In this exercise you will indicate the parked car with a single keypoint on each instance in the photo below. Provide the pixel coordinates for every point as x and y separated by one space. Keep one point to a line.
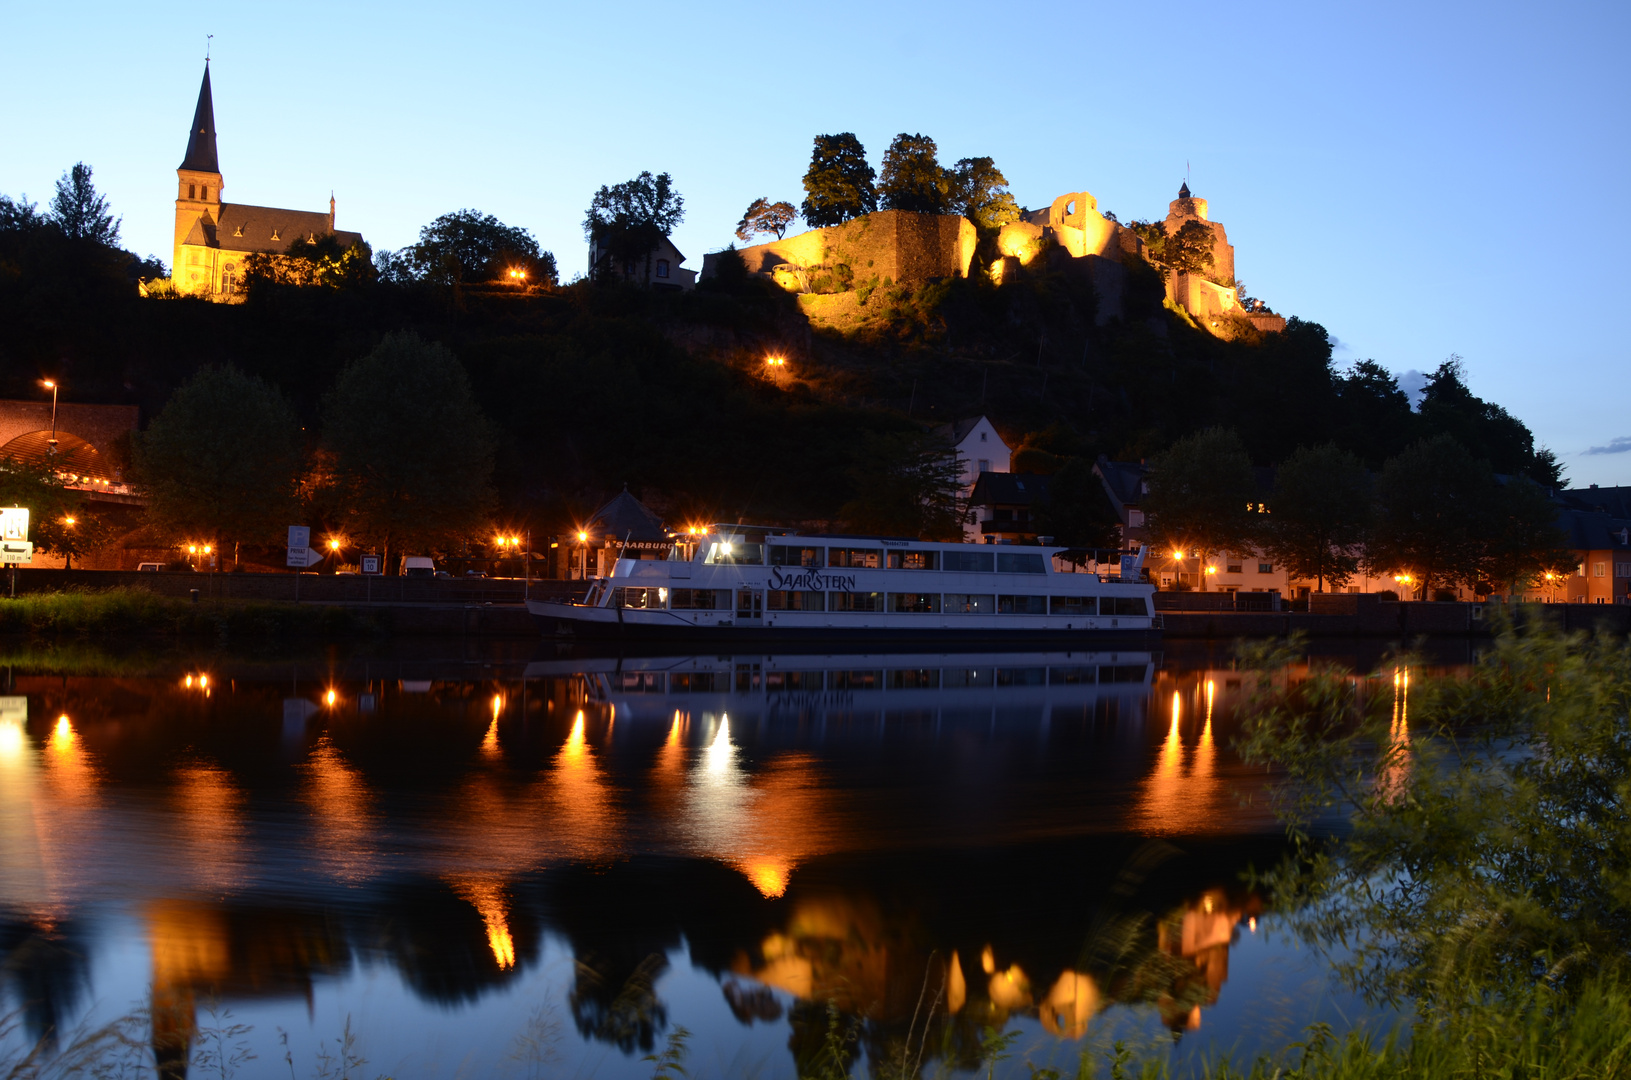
418 566
475 573
152 567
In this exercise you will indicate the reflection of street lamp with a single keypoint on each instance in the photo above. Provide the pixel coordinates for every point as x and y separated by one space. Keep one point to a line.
53 388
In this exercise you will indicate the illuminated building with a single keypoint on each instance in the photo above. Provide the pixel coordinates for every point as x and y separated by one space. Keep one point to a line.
213 238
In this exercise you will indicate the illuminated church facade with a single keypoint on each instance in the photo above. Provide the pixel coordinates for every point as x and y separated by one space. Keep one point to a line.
213 238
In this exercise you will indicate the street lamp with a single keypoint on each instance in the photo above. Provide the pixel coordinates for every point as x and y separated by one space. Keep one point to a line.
51 386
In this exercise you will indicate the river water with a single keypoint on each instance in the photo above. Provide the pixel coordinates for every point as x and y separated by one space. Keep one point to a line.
518 864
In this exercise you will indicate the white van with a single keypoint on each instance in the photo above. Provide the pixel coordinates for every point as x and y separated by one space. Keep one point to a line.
418 566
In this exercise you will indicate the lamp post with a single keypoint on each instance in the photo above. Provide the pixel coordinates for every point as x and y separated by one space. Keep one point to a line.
52 386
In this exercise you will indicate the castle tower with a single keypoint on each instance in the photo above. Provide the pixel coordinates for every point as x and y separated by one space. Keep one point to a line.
1186 208
198 193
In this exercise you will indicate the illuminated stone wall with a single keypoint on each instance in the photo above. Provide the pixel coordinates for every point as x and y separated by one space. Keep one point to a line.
909 249
1182 211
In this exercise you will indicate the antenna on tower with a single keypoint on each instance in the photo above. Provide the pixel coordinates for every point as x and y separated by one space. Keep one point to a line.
207 39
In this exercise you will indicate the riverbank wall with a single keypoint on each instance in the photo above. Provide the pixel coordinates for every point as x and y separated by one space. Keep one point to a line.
1364 615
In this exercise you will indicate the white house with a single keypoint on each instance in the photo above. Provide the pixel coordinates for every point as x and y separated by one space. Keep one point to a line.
979 449
661 271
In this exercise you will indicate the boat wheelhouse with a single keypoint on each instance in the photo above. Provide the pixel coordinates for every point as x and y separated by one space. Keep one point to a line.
736 582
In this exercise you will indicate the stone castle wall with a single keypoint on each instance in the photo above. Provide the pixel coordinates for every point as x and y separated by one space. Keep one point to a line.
909 249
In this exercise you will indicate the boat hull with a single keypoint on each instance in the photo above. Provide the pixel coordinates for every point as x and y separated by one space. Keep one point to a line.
569 622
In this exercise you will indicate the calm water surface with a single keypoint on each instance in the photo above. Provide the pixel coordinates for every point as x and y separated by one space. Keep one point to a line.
528 866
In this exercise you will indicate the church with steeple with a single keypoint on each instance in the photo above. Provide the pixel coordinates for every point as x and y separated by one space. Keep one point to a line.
214 237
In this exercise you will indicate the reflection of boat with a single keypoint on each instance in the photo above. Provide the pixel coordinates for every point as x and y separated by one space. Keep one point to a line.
653 687
737 583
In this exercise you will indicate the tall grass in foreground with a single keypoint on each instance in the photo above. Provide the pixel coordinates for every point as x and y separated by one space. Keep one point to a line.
137 612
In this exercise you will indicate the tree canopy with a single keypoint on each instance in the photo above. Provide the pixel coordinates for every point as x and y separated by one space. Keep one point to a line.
1076 512
469 246
409 453
1202 494
912 178
1432 501
838 185
1320 514
220 462
907 484
630 219
764 216
980 193
81 211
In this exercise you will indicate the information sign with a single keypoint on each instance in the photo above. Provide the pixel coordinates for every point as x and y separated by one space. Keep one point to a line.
299 547
370 564
13 552
14 523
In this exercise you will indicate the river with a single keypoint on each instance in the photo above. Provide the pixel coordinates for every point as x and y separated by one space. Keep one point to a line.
532 864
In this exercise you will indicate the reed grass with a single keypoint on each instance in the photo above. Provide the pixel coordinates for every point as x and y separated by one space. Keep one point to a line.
137 612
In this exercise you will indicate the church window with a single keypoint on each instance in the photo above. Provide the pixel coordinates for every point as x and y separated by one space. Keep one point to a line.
192 191
205 190
662 267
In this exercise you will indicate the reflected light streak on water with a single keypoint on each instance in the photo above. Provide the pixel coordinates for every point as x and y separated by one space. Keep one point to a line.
342 808
584 808
490 902
210 804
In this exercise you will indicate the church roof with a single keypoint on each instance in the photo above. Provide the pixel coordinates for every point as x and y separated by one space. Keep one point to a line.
201 139
263 228
626 518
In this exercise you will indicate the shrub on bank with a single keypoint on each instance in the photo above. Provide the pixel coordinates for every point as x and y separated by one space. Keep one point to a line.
126 611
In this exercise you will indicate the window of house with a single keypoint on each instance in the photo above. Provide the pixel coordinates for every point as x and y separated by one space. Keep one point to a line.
985 464
1597 569
982 436
1135 518
1265 568
1622 569
1580 570
1231 568
662 267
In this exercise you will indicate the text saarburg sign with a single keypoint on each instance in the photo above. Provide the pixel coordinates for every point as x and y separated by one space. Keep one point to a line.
807 580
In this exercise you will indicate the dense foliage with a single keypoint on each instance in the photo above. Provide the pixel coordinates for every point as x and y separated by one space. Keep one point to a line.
839 183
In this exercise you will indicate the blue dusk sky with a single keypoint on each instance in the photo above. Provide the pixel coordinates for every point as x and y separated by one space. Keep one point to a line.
1421 178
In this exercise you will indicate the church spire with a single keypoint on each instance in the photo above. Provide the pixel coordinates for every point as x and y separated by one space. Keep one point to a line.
201 140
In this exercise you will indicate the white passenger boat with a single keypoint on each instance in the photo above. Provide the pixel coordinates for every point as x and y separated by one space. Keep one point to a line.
739 583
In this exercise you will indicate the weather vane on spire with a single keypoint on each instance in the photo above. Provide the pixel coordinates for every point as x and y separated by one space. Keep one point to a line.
207 39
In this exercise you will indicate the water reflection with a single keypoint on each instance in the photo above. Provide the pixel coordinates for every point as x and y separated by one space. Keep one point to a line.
931 845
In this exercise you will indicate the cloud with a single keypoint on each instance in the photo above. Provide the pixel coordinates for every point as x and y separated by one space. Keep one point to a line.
1414 384
1618 445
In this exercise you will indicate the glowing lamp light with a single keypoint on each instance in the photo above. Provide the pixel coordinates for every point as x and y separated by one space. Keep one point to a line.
187 682
206 549
1211 569
582 536
192 549
48 384
776 361
334 545
330 698
68 521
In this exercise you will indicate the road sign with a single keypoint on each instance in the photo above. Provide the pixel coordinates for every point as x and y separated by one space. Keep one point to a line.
370 564
14 523
299 536
300 553
13 552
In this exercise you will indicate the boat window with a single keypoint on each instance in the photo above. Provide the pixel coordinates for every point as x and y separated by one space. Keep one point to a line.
1021 676
854 680
969 604
787 555
1075 605
1122 673
912 560
640 682
856 558
640 598
1072 676
699 599
975 562
855 601
699 682
1124 605
789 600
794 680
733 551
1022 605
914 679
1019 563
966 677
920 603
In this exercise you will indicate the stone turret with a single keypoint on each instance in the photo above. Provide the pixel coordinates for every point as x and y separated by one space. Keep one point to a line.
1186 208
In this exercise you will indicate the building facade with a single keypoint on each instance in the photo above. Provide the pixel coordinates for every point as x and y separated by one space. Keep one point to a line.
213 238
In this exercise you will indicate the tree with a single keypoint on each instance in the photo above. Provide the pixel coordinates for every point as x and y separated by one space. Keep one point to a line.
980 193
1523 540
469 246
76 532
764 216
1319 515
1432 505
1188 251
1376 420
80 211
912 177
630 219
1484 428
50 503
1201 496
907 484
1076 512
19 215
321 261
411 454
838 183
220 462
